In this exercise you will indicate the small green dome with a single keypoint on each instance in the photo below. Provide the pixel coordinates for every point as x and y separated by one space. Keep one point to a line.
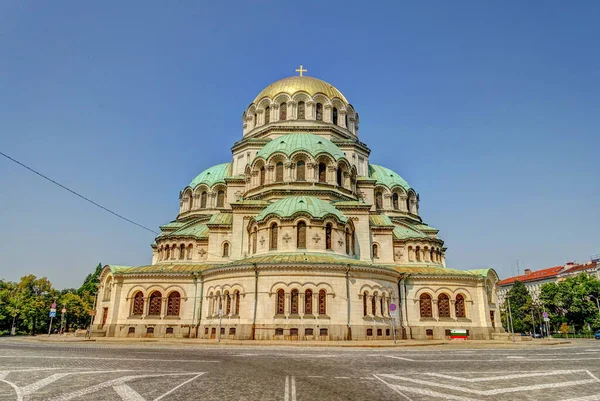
290 143
288 207
213 175
387 177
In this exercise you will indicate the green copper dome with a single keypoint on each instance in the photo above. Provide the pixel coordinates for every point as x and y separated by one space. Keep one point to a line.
312 144
288 207
387 177
211 176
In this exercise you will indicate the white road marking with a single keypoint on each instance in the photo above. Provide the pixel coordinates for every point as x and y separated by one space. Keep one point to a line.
176 387
341 377
515 357
33 387
286 393
115 382
315 376
127 393
288 387
106 359
506 377
401 358
495 391
3 374
394 388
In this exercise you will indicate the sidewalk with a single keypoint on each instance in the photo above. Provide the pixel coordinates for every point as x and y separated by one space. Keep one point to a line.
272 343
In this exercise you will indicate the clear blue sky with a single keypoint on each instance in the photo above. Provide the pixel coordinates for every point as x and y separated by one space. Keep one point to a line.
491 111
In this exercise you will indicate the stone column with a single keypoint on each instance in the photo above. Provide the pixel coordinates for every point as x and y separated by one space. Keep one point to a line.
269 179
342 118
331 172
291 110
327 110
274 112
289 172
309 110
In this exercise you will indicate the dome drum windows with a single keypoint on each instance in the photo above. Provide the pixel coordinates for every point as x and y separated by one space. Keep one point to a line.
301 171
319 112
334 116
301 112
267 115
283 111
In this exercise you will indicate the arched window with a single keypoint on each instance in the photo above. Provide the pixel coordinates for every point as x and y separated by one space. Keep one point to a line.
301 235
381 305
322 172
378 200
267 115
226 250
322 302
203 200
294 302
181 251
319 112
190 202
301 171
408 205
418 254
425 305
395 201
107 289
254 235
283 111
138 304
262 176
334 116
255 120
227 303
339 177
173 304
154 304
443 305
365 296
308 302
189 251
459 305
328 233
346 120
221 199
237 302
375 251
301 111
431 255
274 232
353 237
280 302
173 251
279 172
167 252
374 304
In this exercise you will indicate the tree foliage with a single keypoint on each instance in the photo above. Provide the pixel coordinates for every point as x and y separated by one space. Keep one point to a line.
573 302
26 304
521 309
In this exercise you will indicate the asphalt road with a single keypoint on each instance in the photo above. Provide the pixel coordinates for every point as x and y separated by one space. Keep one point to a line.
135 372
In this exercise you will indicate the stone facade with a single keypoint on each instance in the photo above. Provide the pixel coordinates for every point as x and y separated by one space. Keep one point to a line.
299 237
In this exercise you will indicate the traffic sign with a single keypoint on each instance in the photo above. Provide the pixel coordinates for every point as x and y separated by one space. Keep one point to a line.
392 307
63 310
53 310
53 305
546 319
52 313
545 315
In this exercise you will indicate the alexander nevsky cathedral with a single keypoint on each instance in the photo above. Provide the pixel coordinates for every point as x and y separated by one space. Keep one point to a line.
298 237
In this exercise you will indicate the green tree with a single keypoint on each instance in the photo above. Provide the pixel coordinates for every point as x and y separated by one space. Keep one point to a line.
572 302
521 306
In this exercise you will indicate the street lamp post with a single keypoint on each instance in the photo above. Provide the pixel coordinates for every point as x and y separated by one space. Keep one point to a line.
512 329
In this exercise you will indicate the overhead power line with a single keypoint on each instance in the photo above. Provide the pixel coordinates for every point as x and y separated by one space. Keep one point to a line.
77 194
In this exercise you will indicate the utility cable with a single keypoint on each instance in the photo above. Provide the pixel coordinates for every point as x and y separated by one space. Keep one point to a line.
78 194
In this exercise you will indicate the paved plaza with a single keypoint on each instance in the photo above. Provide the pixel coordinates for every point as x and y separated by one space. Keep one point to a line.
139 371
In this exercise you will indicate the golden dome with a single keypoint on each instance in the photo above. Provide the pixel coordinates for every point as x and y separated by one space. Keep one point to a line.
291 85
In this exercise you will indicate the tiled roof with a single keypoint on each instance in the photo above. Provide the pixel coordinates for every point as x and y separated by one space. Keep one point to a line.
297 258
213 175
580 268
289 206
405 232
223 219
387 177
380 220
195 229
310 143
534 276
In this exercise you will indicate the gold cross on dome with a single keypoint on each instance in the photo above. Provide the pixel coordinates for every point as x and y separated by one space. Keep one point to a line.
301 70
